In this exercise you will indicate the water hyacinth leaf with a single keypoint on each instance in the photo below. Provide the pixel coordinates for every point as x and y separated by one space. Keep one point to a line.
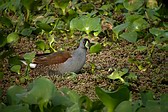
44 26
40 92
141 48
157 32
112 99
133 5
117 74
86 23
61 4
11 94
145 96
96 48
41 45
152 106
27 4
26 31
29 56
14 61
16 68
12 37
5 22
3 41
17 108
85 101
125 106
130 36
61 99
164 103
140 24
119 28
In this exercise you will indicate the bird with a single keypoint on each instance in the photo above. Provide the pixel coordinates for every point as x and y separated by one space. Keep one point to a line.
61 62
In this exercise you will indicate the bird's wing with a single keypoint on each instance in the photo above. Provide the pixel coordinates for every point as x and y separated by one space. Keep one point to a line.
53 58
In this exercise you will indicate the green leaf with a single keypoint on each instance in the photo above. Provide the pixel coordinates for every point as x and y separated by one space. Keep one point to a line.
40 92
3 41
145 96
16 68
133 5
125 106
29 56
17 108
86 23
27 4
164 102
61 4
41 45
118 74
26 31
96 48
61 99
132 76
5 22
12 37
44 26
112 99
157 32
130 36
141 48
119 28
86 102
152 106
11 94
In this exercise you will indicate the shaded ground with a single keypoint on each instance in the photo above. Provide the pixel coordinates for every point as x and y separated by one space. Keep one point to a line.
98 66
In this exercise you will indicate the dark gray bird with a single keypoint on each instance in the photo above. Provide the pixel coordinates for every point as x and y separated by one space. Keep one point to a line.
62 62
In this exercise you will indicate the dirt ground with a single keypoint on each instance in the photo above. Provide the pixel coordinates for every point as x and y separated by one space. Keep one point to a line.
114 55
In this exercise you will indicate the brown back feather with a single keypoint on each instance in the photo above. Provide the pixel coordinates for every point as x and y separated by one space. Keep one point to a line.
53 58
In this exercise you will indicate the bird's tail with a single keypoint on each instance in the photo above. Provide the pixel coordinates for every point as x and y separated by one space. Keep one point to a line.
32 65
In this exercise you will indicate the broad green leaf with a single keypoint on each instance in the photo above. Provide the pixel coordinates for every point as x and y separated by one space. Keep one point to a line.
130 36
157 32
61 99
86 102
28 4
41 45
40 92
61 4
1 75
44 26
17 108
96 48
119 28
11 94
141 48
14 5
164 102
26 31
117 74
16 68
152 106
132 76
3 41
29 56
112 99
140 24
87 7
86 23
133 5
125 106
145 96
5 22
12 37
14 61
